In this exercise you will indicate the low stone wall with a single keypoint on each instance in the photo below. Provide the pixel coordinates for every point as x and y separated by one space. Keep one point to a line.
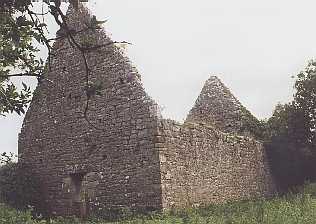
200 165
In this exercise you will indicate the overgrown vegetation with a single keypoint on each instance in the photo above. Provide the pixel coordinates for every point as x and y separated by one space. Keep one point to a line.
300 208
290 134
18 187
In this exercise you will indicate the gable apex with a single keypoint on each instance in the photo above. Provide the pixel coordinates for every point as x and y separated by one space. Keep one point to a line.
218 107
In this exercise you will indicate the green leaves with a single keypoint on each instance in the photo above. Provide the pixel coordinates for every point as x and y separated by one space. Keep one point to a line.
12 100
6 158
18 53
305 100
18 186
290 133
22 21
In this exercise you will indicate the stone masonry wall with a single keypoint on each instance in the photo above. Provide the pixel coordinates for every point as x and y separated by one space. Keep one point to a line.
126 155
113 166
200 165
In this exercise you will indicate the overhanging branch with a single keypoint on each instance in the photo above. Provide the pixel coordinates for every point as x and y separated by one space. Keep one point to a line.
22 75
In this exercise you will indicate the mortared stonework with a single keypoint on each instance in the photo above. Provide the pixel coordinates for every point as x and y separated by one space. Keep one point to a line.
129 157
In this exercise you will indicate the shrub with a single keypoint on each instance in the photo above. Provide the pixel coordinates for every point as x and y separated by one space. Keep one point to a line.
18 187
11 216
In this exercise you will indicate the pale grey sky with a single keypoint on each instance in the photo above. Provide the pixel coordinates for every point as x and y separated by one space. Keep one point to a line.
253 46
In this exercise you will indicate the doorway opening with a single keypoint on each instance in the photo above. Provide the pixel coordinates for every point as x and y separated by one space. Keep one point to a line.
79 202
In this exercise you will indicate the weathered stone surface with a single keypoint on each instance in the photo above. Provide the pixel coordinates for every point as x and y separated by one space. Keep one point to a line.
217 106
60 144
134 159
201 165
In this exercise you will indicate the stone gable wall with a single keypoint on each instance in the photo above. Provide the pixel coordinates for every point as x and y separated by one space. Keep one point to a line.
201 165
118 159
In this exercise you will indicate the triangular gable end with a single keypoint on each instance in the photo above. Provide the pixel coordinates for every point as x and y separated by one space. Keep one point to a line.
218 107
114 143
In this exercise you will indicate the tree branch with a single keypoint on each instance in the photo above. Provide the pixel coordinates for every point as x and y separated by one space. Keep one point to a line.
70 34
95 47
22 74
40 30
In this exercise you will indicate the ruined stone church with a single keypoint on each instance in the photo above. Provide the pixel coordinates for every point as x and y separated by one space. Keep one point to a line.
123 154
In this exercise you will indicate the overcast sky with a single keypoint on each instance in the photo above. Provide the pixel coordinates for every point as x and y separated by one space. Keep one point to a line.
253 46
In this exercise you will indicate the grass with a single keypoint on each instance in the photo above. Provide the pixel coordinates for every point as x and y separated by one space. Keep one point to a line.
300 208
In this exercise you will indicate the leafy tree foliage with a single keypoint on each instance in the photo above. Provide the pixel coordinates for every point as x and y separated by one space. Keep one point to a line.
20 29
291 134
17 54
305 102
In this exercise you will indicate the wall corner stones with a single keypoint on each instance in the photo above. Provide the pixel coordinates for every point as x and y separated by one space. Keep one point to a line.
139 161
